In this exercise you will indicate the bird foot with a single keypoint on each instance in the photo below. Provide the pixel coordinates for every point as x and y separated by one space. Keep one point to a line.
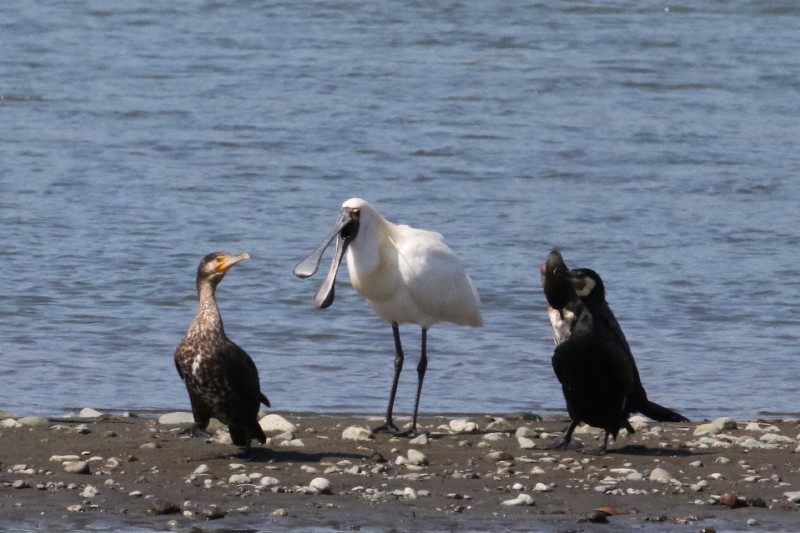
195 432
387 427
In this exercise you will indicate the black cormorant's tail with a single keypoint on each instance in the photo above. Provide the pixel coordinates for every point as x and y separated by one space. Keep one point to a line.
661 414
263 399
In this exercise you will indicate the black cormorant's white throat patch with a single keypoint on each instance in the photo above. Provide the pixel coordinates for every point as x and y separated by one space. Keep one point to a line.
583 286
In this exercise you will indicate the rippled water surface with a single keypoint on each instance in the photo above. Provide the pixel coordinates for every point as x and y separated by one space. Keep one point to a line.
656 144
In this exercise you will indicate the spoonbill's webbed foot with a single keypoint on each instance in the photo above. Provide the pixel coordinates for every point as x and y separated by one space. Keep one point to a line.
387 427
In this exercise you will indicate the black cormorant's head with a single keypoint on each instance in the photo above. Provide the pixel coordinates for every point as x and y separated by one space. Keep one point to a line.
556 281
213 267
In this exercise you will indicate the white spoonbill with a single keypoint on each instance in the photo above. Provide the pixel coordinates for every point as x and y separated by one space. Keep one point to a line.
408 276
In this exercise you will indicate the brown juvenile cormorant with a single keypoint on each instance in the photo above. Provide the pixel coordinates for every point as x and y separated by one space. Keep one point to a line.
221 378
592 358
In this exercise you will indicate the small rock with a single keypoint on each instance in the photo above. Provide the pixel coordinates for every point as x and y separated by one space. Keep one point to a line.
522 499
320 485
793 496
597 517
76 467
276 423
659 475
541 487
279 512
87 412
10 423
267 481
64 458
422 439
498 456
409 494
416 457
238 479
33 421
491 437
725 423
732 500
525 443
173 419
19 484
76 508
164 507
89 492
202 469
212 512
462 425
357 433
707 429
150 446
526 432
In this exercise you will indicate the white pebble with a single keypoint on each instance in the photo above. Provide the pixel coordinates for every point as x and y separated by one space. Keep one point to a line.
320 485
277 423
522 499
659 475
357 433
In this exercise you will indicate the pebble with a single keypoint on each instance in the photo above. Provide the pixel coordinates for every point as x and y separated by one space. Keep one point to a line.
463 425
10 423
89 491
526 443
409 494
268 481
202 469
294 443
498 456
19 484
88 412
33 421
76 467
150 446
279 512
357 433
238 479
793 496
659 475
416 457
526 432
725 423
76 508
422 439
320 485
212 512
522 499
276 423
707 429
164 507
541 487
491 437
171 419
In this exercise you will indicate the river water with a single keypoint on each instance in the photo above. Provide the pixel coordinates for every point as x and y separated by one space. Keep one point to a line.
655 143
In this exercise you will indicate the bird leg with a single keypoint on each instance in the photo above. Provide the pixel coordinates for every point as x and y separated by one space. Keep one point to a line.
563 443
421 368
388 424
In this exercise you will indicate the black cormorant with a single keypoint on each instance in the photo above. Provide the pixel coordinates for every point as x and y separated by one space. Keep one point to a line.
592 359
221 378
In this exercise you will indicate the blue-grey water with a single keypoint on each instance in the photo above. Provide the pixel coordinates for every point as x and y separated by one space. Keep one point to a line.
655 143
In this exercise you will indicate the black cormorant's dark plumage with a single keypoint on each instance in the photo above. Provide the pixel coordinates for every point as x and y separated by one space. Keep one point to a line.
592 358
221 378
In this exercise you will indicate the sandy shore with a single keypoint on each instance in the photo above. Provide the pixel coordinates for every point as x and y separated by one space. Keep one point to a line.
135 472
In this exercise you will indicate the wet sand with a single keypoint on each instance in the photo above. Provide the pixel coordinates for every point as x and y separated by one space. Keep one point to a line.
141 474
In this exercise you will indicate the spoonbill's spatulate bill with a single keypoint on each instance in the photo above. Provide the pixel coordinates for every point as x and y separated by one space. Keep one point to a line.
408 276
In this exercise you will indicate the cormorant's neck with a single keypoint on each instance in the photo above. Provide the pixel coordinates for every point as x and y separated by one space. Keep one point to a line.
208 313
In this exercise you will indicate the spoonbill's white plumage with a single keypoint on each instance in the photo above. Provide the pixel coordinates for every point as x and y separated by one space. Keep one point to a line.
408 276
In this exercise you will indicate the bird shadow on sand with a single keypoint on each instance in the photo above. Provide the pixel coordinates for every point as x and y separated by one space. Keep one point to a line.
643 451
268 455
